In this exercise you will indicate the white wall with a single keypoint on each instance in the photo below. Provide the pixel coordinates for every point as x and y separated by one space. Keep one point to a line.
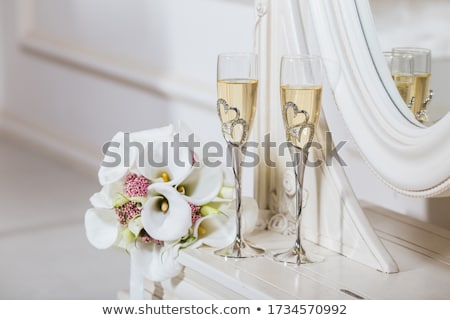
78 71
2 65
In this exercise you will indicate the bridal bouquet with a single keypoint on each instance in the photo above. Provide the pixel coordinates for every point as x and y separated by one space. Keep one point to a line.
158 197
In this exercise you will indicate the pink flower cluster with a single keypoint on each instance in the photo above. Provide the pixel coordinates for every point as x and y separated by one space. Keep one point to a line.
136 186
128 212
144 237
195 212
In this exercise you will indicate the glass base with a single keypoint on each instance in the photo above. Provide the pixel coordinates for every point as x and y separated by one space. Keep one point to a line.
240 249
297 255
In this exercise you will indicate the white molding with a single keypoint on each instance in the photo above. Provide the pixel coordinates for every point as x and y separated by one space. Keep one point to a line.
79 156
173 85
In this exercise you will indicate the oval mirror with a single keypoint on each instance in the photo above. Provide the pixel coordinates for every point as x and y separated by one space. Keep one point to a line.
408 156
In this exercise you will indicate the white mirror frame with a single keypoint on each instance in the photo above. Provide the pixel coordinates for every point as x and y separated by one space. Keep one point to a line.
408 157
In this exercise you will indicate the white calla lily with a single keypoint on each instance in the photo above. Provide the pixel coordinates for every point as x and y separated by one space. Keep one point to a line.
170 224
227 193
162 263
202 184
155 263
114 165
163 157
148 153
214 230
151 262
219 227
108 195
101 227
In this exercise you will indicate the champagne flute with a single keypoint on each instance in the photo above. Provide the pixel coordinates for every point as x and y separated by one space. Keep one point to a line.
237 85
401 66
422 80
301 95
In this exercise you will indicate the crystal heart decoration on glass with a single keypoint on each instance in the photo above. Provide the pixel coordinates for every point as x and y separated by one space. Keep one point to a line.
296 122
234 128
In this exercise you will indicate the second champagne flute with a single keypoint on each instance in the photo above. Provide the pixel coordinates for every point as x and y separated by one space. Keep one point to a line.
237 85
301 96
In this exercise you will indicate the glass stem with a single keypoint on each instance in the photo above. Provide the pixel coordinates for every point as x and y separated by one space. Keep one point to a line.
236 154
300 157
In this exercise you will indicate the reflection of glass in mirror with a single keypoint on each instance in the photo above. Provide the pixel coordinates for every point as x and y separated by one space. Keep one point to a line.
422 79
401 67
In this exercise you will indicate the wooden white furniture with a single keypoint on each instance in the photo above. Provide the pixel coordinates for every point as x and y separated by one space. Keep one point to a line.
422 252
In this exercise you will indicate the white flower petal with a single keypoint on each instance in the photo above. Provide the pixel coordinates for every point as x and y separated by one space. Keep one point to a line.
150 152
160 156
155 160
203 184
227 193
101 227
158 263
105 198
172 224
118 159
220 230
109 175
164 265
135 226
180 162
125 239
250 213
99 200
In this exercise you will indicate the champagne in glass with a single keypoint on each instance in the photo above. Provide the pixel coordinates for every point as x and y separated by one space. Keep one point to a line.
240 94
237 85
401 66
301 96
422 79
